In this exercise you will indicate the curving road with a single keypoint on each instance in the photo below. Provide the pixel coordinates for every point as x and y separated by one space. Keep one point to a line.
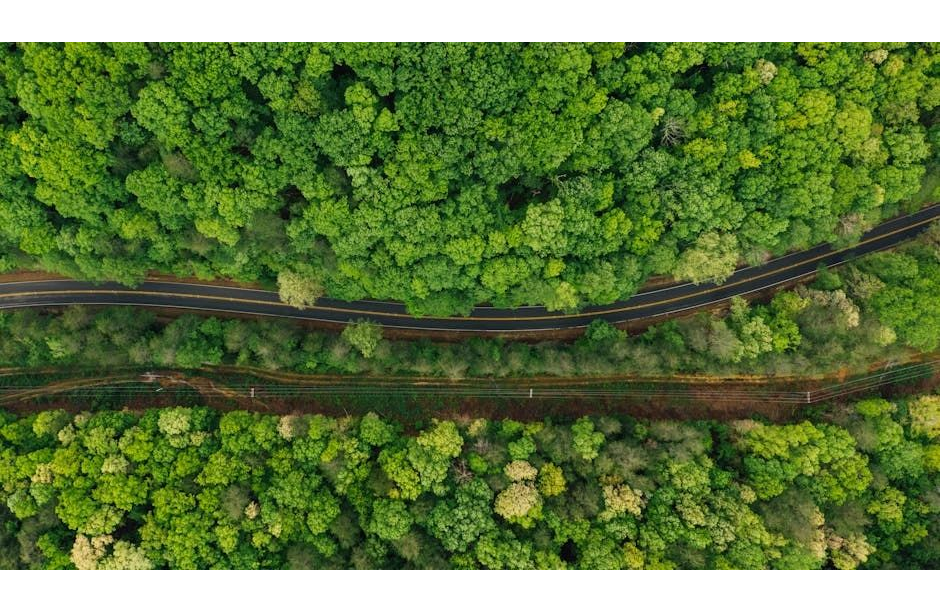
645 305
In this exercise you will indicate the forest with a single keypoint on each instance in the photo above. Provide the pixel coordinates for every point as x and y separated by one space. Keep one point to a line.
854 487
881 307
445 175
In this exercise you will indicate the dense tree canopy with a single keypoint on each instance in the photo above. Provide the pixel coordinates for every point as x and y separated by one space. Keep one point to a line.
192 488
450 174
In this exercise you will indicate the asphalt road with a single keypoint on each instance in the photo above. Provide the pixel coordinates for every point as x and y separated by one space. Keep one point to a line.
642 306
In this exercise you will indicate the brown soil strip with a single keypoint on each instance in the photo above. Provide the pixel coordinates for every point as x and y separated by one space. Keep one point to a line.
25 275
413 400
163 380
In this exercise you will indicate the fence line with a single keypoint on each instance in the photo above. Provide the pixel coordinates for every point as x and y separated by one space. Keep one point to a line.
150 383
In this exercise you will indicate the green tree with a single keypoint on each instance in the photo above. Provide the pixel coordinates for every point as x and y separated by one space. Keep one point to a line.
390 519
587 442
460 523
364 336
551 480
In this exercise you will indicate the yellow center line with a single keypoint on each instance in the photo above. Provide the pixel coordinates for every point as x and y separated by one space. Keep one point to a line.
404 315
735 282
766 274
194 296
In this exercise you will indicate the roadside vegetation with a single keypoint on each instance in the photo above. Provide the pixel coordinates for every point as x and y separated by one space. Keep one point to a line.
882 307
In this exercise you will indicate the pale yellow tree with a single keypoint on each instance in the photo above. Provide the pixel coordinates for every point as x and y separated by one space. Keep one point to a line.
519 503
925 416
298 290
520 470
620 499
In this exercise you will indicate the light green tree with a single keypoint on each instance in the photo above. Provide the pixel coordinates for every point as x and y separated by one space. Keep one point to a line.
364 336
712 258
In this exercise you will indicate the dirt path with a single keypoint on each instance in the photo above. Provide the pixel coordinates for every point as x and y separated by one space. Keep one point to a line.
142 384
